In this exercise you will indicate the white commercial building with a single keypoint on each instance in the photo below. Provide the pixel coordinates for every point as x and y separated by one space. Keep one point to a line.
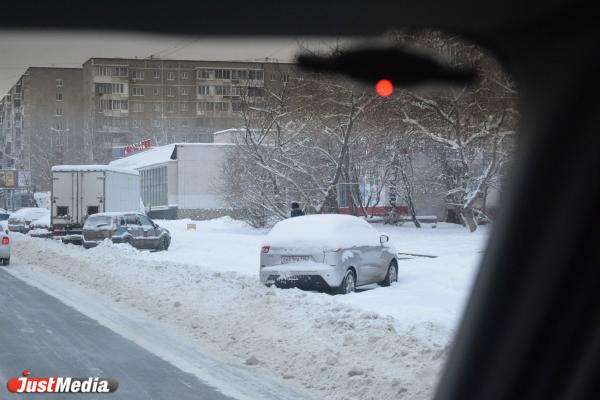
180 180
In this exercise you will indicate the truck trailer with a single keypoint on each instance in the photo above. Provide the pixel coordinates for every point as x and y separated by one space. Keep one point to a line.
79 191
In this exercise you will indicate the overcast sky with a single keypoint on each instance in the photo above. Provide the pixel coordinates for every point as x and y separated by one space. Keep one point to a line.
19 50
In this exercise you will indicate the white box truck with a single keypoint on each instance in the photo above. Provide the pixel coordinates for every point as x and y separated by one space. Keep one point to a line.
82 190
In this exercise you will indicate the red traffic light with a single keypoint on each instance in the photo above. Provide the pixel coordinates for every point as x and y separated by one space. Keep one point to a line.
384 87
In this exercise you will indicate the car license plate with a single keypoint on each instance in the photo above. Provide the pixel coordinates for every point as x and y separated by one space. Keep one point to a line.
293 259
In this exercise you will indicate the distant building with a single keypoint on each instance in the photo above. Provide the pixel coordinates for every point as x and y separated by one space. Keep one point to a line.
40 123
168 101
55 116
180 180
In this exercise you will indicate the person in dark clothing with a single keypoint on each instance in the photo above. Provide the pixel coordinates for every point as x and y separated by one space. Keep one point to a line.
296 211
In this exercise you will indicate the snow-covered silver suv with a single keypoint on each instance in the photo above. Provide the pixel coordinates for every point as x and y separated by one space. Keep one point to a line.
327 252
133 228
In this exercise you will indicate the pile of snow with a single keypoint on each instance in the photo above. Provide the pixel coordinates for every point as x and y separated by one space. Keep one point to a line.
386 343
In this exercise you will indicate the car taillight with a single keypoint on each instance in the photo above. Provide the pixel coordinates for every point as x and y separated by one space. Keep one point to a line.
265 249
5 240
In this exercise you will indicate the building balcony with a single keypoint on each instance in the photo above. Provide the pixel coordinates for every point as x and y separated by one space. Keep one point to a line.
112 129
115 113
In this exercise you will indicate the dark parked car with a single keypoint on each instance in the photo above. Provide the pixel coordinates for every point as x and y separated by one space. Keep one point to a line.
125 227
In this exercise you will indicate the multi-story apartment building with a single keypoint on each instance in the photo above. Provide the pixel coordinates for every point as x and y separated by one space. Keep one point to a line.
87 115
168 101
40 123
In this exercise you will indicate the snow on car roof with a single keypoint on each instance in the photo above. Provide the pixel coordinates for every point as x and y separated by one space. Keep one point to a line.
92 167
323 230
29 211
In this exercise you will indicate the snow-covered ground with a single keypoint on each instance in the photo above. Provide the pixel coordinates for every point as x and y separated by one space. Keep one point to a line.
384 343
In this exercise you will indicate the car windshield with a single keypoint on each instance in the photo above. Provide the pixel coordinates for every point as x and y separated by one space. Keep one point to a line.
98 221
248 161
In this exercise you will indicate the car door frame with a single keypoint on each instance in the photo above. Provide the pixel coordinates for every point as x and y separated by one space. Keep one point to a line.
135 230
149 232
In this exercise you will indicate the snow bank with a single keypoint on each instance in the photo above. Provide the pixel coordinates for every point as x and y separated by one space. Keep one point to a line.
387 343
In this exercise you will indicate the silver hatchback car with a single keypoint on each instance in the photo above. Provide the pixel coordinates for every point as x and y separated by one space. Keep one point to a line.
329 252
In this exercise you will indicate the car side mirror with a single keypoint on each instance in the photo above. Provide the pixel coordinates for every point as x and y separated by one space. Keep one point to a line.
383 238
155 225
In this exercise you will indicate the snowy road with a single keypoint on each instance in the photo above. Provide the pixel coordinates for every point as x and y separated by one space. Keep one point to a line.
51 339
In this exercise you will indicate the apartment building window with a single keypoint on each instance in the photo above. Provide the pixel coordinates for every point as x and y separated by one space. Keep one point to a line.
138 107
58 126
157 107
103 88
170 91
137 123
171 123
221 106
203 90
185 91
205 106
137 91
137 75
236 106
105 105
171 107
156 74
205 74
110 71
184 107
255 75
156 91
118 88
59 83
108 88
184 123
59 97
59 112
222 74
156 123
223 90
237 90
170 76
120 104
185 75
239 74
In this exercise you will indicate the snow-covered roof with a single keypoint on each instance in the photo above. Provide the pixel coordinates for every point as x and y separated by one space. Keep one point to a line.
157 155
93 167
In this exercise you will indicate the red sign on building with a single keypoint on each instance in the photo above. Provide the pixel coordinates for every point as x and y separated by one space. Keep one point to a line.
141 145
